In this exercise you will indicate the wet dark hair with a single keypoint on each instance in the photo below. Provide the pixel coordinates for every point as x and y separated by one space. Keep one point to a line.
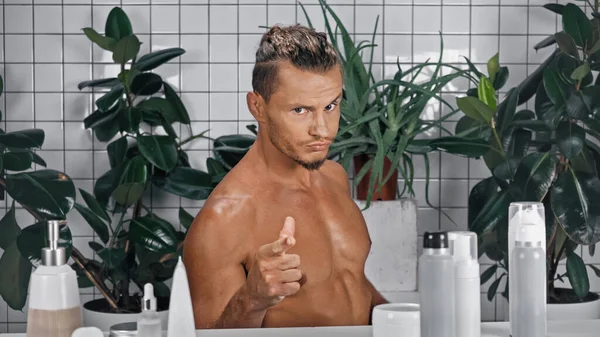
301 46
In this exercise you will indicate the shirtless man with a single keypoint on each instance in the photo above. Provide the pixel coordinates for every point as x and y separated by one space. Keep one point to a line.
280 242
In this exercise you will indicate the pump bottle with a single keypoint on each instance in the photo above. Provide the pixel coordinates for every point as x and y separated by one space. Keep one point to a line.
463 247
436 287
54 305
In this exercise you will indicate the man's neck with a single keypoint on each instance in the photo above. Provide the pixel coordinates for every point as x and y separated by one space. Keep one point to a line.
279 166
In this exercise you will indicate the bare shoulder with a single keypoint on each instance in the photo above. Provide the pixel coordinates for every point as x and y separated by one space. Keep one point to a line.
223 221
336 172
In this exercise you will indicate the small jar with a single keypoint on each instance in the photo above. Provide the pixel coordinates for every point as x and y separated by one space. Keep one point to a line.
128 329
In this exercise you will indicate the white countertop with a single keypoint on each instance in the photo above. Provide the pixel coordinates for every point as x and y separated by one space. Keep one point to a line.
496 329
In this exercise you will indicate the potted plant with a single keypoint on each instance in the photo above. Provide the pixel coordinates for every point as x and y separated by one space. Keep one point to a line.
137 116
46 194
381 122
548 155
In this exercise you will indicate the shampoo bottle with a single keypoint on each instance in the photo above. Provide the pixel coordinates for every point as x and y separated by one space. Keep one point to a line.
54 306
463 246
149 324
526 240
436 287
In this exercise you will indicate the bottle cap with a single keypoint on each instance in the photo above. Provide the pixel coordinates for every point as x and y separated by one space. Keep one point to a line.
53 255
435 240
463 245
149 301
527 223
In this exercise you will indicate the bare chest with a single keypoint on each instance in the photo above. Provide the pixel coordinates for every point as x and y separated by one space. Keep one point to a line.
331 236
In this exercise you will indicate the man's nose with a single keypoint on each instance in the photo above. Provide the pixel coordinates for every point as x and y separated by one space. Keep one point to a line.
319 126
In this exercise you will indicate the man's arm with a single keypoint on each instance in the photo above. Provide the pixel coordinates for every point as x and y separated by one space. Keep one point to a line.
213 255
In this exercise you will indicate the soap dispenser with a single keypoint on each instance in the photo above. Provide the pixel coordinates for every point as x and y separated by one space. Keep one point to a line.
54 305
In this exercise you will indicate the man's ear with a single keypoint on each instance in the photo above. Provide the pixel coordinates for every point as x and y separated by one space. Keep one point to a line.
256 105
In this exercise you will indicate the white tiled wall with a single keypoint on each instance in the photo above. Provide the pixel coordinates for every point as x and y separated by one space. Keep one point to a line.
44 56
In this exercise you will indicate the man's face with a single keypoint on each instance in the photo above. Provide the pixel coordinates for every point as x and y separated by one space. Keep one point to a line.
303 114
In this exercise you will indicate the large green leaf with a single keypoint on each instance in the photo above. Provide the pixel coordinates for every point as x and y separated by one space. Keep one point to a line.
545 110
51 193
501 78
94 221
23 139
582 103
100 120
534 176
106 103
155 105
154 234
146 84
117 24
507 109
468 147
104 42
106 184
556 88
126 49
467 127
112 257
159 150
185 218
486 93
474 108
507 169
157 58
574 196
567 44
494 212
94 205
129 119
481 193
186 182
35 237
230 149
181 114
570 138
576 24
530 85
581 72
14 278
17 161
577 273
133 182
9 228
101 83
117 150
493 66
494 156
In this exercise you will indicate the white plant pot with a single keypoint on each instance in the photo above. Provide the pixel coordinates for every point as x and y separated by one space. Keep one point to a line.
104 321
574 311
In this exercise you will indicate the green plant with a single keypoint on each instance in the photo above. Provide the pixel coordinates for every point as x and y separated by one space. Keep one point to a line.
548 155
137 246
383 119
46 194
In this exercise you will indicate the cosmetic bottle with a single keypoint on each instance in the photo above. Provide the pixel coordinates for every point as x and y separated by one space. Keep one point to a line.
463 247
181 313
528 281
149 324
436 287
54 305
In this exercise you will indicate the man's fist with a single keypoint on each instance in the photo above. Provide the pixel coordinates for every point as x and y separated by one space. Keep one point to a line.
275 274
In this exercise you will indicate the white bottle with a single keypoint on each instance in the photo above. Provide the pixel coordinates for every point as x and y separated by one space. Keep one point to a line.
436 287
181 312
149 324
463 246
523 214
54 305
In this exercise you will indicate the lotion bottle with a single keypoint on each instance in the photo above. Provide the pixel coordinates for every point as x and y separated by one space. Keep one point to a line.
463 246
54 305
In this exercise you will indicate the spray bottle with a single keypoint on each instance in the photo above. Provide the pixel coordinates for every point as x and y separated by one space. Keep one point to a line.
463 247
527 270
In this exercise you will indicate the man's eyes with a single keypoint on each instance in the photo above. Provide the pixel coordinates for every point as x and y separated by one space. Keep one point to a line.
328 108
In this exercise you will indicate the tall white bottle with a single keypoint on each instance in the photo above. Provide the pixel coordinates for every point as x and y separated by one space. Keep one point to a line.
436 287
181 312
531 216
54 305
463 247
